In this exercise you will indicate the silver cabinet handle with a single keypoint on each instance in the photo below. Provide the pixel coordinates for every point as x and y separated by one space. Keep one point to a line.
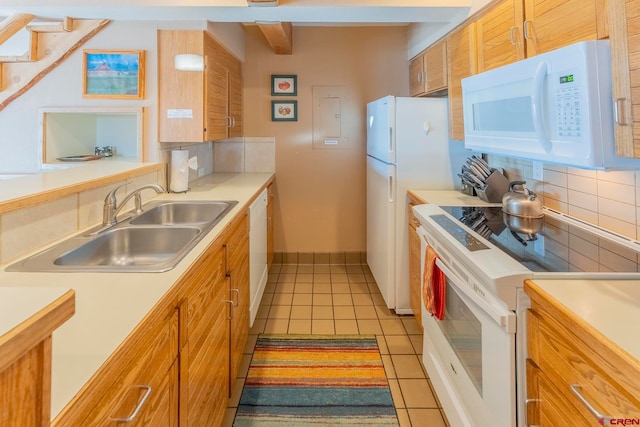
601 418
230 316
618 110
138 408
524 26
512 37
237 292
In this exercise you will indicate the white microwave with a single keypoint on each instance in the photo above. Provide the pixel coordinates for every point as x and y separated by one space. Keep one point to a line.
555 107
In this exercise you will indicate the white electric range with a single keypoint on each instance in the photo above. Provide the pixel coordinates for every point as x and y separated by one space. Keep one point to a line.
476 355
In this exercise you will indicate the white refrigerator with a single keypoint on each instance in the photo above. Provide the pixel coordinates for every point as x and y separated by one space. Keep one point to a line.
408 147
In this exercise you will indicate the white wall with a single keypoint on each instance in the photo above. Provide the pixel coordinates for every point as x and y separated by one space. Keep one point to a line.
19 122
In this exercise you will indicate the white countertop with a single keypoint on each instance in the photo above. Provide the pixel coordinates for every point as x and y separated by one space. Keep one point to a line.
18 304
611 307
110 305
54 179
449 198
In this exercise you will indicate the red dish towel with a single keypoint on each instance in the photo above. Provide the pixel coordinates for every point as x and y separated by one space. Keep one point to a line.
433 285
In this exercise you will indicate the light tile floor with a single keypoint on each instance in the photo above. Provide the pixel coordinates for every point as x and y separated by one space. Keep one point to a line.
344 299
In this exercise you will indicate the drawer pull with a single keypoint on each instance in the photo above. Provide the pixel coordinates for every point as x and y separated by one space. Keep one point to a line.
138 408
602 419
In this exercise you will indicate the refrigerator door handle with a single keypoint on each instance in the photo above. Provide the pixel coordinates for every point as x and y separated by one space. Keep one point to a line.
391 193
391 150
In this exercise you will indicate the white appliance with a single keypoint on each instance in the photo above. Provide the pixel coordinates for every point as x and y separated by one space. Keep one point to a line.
407 147
476 356
555 107
258 271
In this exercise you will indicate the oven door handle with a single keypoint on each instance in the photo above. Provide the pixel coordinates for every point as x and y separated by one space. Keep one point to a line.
503 317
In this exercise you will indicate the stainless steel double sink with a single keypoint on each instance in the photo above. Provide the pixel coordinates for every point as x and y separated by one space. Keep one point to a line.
153 241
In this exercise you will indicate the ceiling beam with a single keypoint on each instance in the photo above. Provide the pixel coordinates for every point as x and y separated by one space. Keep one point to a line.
13 24
279 35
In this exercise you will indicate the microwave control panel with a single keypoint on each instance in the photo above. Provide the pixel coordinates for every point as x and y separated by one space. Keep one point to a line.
568 114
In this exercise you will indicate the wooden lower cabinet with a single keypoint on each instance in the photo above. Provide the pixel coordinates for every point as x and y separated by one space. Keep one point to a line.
566 358
25 364
177 366
204 384
237 274
415 279
138 385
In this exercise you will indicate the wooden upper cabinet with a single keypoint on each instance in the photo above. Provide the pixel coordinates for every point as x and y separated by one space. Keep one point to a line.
417 68
428 71
197 106
514 29
181 94
217 105
461 59
436 66
562 22
499 33
625 67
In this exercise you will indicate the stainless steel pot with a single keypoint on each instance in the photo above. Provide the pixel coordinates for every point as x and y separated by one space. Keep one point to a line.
522 203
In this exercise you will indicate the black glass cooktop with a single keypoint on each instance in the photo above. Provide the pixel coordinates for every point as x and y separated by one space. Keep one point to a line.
546 244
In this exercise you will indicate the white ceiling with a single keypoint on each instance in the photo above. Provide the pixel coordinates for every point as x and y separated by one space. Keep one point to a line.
320 12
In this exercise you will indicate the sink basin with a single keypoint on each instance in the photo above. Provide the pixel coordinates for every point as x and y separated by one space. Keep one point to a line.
181 213
131 247
154 241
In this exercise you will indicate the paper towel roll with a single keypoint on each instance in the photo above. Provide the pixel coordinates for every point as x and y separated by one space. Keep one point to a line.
180 165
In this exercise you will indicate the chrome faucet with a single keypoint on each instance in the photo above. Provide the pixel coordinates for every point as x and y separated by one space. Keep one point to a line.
111 209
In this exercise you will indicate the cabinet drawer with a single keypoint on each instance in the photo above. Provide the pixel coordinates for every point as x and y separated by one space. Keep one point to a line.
566 360
138 382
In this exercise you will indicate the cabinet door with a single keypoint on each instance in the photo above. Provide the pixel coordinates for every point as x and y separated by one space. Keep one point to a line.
552 24
205 384
500 40
137 385
461 60
625 69
181 94
238 277
235 104
417 84
217 105
436 67
270 243
415 280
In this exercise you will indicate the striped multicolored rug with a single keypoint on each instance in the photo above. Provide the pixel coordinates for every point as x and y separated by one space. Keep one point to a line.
316 380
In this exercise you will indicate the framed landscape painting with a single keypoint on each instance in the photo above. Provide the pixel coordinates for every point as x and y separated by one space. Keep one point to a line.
115 74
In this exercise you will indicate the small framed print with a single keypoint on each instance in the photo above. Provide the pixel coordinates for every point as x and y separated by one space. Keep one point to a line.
284 111
284 85
115 74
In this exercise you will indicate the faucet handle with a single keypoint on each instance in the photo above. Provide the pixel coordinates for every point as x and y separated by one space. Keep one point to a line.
111 196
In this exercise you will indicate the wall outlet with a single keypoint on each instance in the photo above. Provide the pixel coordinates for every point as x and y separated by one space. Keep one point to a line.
200 172
537 171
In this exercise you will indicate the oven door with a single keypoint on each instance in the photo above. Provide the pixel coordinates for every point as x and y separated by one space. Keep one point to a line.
470 354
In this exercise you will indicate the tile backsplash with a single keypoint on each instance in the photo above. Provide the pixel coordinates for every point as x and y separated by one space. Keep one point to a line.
234 155
248 154
27 229
608 199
